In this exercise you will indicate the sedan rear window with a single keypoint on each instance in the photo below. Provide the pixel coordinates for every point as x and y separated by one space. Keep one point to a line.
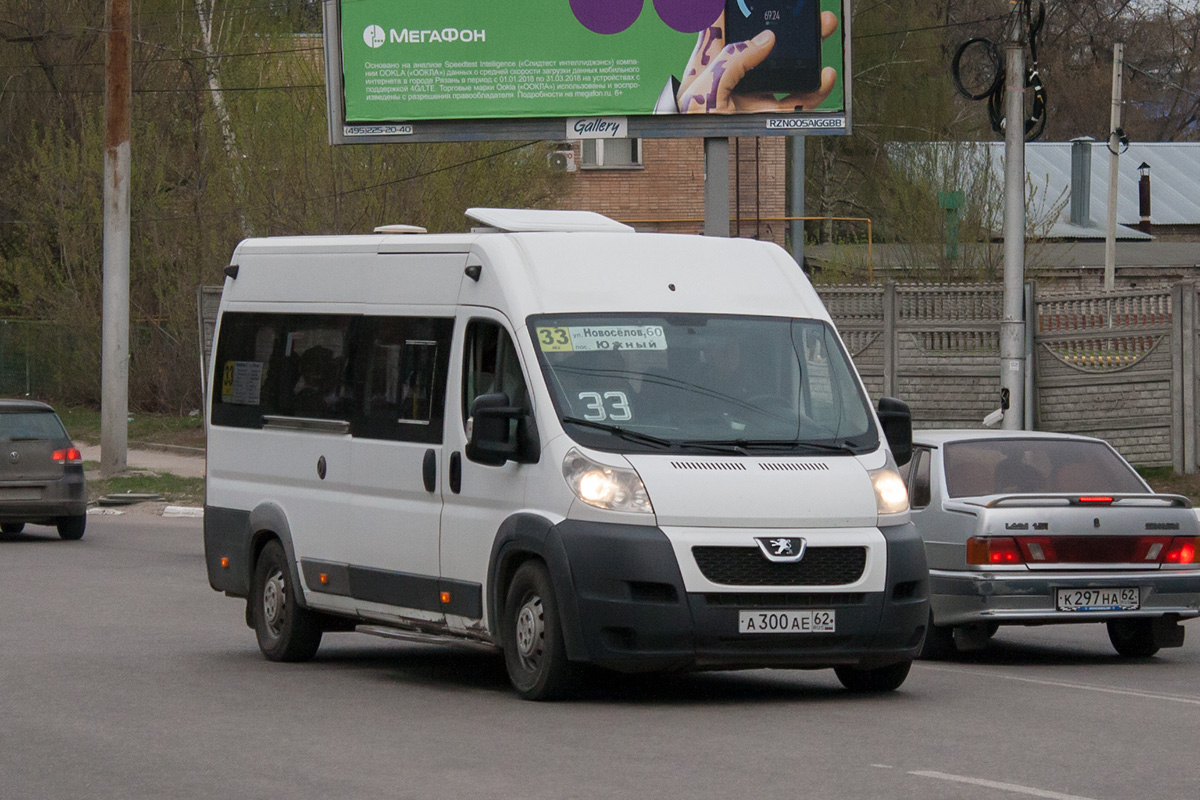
1036 466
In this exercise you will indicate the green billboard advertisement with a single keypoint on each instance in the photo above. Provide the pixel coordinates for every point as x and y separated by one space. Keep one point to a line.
448 61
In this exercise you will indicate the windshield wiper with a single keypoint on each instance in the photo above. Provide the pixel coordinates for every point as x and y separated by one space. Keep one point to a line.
742 445
617 430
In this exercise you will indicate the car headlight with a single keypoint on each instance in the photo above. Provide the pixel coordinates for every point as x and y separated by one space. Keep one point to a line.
611 488
891 495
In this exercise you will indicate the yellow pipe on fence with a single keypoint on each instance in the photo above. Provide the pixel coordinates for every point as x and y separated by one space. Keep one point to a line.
735 220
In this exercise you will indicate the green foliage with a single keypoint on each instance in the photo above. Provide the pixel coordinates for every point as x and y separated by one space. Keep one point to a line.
197 188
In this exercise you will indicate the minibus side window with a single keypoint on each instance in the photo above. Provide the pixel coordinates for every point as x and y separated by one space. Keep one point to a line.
491 365
281 365
402 367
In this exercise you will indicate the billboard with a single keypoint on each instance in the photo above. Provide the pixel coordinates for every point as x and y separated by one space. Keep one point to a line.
456 70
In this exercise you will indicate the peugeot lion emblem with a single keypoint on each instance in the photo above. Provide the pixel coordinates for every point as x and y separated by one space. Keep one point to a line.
782 549
14 457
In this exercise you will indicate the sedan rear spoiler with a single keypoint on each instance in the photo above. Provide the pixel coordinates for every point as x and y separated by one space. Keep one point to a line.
1145 499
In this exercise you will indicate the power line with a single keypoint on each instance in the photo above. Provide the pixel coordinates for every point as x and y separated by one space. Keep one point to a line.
198 90
930 27
222 56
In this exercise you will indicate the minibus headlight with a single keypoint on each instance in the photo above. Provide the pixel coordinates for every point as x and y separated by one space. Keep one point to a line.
891 495
611 488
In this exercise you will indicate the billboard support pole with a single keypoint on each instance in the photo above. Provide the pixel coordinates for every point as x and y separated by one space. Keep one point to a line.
716 186
796 190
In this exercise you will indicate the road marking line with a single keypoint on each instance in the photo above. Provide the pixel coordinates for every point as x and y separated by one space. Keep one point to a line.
1193 701
1004 787
882 766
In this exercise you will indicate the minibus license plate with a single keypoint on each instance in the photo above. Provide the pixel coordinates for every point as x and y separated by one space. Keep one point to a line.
785 622
1126 598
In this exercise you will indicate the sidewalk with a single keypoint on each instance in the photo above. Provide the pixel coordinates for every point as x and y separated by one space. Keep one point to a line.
185 465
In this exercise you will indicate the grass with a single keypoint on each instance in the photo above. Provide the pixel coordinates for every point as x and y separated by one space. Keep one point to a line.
174 489
1166 480
84 426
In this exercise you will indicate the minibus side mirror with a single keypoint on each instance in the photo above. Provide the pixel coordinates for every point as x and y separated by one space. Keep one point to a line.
501 432
896 419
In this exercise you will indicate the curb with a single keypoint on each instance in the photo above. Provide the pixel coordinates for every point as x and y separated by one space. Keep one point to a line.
193 512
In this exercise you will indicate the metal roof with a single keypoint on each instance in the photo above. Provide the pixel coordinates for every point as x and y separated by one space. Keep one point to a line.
1174 180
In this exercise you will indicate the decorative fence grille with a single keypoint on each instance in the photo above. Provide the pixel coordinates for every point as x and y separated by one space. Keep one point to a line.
1102 365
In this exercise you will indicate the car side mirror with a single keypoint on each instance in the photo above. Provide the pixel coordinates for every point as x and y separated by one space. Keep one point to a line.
501 432
896 419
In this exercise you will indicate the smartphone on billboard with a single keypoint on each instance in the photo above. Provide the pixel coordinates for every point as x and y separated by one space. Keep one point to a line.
794 64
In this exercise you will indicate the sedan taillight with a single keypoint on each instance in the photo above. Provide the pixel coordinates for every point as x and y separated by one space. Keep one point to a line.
70 455
994 550
1182 550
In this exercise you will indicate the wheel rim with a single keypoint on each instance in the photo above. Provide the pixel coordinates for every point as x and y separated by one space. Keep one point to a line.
274 602
531 633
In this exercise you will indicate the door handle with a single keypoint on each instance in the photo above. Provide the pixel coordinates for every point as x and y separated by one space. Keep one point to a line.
429 470
456 472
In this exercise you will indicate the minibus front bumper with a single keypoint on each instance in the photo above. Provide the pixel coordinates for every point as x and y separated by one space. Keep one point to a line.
625 607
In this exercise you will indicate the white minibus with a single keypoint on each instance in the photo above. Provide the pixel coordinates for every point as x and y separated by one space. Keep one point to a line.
561 439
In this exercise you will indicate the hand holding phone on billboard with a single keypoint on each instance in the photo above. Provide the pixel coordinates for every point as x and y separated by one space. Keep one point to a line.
732 72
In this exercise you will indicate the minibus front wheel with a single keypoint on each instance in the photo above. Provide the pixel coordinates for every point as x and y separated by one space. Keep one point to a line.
534 651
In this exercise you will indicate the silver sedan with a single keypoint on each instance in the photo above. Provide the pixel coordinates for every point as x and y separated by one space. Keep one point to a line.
1024 528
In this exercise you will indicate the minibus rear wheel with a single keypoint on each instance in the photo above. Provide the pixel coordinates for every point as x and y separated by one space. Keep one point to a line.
286 632
534 651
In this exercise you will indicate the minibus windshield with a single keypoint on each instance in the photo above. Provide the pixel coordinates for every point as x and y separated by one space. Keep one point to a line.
701 382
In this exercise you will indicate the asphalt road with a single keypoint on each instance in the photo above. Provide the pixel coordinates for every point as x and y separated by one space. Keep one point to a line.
125 676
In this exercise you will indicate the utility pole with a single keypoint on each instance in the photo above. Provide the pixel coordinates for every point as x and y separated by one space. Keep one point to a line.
114 359
1114 159
1012 330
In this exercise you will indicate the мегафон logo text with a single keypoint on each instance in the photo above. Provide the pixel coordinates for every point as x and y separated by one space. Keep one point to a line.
374 36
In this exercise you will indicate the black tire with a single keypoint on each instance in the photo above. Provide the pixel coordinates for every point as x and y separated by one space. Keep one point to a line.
72 528
1133 638
939 641
880 679
286 632
12 527
534 651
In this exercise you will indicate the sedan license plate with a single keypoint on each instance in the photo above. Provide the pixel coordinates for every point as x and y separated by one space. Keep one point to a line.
785 622
1124 598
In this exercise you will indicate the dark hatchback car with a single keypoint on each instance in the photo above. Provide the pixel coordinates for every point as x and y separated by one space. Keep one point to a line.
41 471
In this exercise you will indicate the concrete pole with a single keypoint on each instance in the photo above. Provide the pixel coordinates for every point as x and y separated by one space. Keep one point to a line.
1012 331
114 360
1114 160
716 187
796 196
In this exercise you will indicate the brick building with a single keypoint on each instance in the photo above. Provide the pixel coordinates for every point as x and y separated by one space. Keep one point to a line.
658 184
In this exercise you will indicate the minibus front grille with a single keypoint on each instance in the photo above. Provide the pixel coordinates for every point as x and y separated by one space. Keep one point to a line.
747 566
